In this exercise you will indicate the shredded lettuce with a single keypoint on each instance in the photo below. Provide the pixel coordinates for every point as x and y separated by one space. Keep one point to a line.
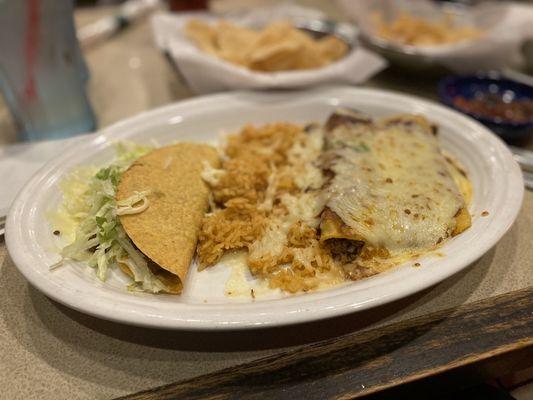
100 239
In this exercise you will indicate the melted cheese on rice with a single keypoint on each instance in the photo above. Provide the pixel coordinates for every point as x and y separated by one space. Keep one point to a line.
267 200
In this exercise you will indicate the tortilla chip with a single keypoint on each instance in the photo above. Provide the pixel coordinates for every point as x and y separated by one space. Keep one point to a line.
277 47
234 42
331 48
274 33
167 231
292 50
309 57
203 35
277 57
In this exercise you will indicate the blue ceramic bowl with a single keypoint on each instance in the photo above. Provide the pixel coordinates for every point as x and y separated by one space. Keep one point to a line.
473 86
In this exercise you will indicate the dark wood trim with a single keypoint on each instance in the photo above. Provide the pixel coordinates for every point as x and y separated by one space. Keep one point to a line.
447 384
362 363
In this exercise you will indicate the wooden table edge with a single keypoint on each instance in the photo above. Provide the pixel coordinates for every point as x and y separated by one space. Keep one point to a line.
361 363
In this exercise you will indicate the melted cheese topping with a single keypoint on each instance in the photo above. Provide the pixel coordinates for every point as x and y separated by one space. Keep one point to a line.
392 186
305 206
241 282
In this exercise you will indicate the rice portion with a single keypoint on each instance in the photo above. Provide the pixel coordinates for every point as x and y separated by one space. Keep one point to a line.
266 199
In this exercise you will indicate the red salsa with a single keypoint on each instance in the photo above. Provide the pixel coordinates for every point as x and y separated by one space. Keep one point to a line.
493 106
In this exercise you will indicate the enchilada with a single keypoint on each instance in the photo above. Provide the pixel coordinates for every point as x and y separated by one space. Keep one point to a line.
391 191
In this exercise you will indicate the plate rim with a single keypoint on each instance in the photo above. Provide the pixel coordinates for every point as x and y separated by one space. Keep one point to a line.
12 235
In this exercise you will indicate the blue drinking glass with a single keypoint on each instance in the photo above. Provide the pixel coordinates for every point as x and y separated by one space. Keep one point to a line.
42 70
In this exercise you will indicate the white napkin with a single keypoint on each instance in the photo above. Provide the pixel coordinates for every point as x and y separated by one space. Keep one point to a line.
18 162
206 73
506 26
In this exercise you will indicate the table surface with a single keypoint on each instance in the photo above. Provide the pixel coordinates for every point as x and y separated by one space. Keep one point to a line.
51 352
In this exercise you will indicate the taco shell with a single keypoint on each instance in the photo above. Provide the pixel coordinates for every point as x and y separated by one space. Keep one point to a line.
167 231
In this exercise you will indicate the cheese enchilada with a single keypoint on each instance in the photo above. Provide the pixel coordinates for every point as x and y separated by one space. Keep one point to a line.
391 191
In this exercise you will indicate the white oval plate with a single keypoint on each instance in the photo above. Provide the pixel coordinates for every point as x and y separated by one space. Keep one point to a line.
496 179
